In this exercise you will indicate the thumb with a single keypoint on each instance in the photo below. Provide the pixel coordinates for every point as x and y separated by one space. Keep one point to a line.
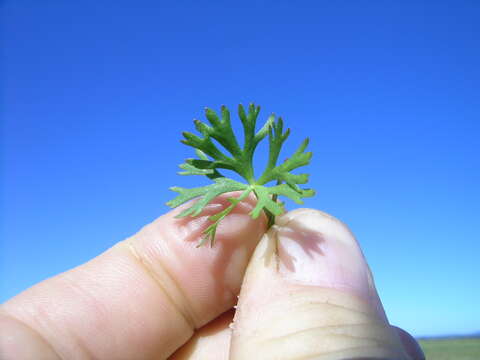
308 294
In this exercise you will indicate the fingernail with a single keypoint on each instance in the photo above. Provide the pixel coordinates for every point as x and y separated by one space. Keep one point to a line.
316 249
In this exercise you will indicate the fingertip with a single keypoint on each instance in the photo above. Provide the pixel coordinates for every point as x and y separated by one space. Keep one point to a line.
317 249
209 278
299 212
308 292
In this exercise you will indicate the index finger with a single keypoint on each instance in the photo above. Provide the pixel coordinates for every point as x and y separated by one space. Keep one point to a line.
141 299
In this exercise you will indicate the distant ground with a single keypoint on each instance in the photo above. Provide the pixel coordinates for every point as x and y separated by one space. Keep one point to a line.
451 349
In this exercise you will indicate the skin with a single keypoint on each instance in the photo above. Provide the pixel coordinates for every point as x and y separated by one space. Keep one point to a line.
301 291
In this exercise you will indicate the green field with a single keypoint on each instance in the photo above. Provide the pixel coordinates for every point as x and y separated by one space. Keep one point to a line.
451 349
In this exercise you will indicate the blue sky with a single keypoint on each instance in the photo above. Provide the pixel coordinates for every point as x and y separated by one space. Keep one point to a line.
96 95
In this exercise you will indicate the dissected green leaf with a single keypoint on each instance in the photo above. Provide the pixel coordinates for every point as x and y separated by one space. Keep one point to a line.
212 229
265 202
286 190
193 170
211 158
208 193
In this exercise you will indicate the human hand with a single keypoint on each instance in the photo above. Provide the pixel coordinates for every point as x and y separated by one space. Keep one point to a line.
156 296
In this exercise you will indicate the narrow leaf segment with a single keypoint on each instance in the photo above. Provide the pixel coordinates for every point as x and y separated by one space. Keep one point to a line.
211 160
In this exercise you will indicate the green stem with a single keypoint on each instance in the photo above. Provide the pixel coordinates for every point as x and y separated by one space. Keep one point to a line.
270 216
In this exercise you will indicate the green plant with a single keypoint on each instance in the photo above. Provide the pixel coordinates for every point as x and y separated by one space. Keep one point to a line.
211 159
